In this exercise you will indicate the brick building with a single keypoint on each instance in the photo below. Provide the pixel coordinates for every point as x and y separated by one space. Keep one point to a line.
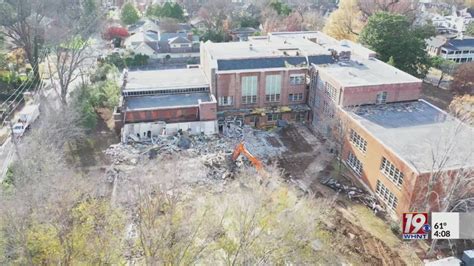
390 137
390 140
263 80
165 101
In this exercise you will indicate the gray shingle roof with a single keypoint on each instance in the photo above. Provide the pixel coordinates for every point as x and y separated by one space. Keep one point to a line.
458 44
258 63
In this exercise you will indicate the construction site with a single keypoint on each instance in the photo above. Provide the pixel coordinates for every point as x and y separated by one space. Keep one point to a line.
357 228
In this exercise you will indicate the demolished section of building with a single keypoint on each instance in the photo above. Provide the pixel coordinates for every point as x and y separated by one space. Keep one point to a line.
165 101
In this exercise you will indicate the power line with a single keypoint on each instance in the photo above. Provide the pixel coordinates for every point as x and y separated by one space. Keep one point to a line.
19 88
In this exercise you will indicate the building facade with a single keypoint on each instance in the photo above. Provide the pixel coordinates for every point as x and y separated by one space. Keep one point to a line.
162 102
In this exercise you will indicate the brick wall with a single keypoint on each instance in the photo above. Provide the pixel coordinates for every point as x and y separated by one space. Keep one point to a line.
368 94
230 85
371 161
183 114
208 110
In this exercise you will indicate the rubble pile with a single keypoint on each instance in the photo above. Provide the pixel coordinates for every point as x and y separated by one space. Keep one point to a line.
353 193
123 154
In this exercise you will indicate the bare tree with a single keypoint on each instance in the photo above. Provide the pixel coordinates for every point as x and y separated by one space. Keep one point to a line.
405 7
448 184
24 23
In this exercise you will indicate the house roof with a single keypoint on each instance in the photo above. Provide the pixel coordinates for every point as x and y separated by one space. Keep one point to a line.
241 30
178 39
166 36
437 41
143 48
416 131
460 44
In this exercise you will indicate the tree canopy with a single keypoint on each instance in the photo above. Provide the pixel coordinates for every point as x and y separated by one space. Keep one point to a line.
168 10
470 29
129 14
391 35
344 23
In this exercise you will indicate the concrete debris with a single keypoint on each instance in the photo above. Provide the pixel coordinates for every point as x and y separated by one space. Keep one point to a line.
316 245
354 193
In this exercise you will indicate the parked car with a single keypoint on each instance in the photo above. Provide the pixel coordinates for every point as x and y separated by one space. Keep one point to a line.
27 116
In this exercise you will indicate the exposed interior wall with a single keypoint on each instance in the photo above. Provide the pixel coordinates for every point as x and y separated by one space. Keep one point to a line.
144 130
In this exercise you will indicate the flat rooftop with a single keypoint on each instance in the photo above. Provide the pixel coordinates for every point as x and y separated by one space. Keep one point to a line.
266 46
298 49
416 130
361 71
165 101
166 79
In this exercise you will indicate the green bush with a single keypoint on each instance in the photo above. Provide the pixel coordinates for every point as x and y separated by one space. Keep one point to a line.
395 227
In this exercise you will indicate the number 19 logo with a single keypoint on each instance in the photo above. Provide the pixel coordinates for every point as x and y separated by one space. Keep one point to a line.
415 225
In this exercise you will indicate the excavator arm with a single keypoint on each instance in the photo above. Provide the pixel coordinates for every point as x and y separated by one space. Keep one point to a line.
240 149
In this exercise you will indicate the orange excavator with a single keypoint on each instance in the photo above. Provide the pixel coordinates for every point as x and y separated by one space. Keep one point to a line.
239 149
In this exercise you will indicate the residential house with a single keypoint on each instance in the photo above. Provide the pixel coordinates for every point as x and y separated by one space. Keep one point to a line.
459 50
242 34
147 38
179 42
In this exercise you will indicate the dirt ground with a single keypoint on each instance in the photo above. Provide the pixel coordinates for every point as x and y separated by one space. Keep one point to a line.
437 96
361 233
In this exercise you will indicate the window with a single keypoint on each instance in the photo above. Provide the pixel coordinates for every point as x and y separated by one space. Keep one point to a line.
273 117
327 109
391 172
458 52
294 97
331 91
358 141
320 84
298 117
381 97
386 195
249 90
354 163
297 79
225 101
273 88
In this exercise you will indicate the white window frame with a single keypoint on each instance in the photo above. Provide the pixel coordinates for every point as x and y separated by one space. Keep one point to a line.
354 163
359 142
389 170
272 88
386 195
297 79
274 117
249 89
381 97
295 97
225 100
330 91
